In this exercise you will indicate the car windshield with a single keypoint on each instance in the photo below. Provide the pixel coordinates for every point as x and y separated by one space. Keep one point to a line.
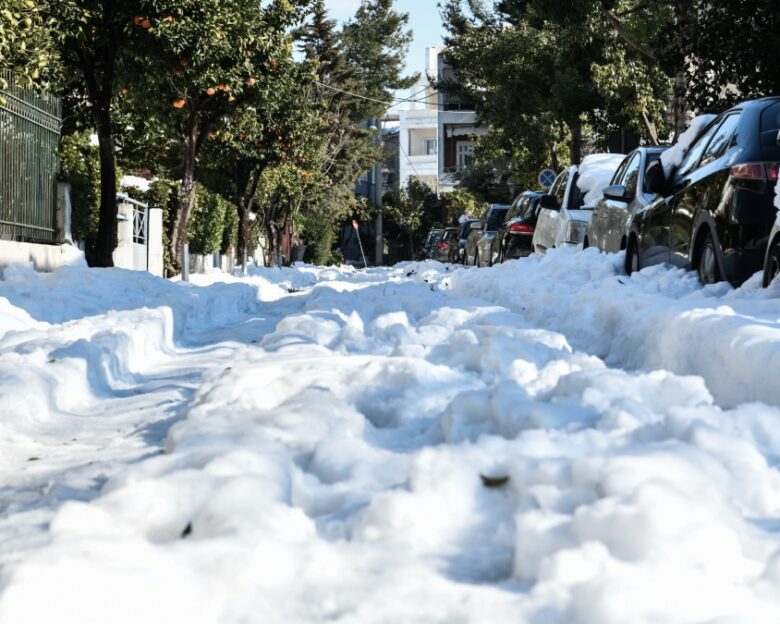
465 229
496 218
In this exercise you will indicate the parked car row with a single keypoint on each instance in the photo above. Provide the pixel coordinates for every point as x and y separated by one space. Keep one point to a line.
708 205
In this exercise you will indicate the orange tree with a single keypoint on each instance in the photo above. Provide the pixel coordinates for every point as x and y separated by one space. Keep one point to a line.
262 134
25 41
198 66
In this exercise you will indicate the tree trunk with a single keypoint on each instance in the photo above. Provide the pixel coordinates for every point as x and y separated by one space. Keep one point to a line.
243 227
107 223
575 127
270 235
554 164
185 200
652 131
280 232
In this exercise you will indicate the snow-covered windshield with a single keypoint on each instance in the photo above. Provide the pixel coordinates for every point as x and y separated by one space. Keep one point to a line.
594 175
672 157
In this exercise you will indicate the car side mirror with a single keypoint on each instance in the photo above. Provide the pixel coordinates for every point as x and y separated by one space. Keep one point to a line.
616 192
550 202
655 179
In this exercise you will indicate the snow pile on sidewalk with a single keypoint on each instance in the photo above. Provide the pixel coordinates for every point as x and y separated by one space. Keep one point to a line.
331 469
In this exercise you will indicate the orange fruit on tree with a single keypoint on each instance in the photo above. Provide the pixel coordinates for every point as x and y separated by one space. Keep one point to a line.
169 19
146 24
251 82
184 62
137 20
210 91
180 103
125 90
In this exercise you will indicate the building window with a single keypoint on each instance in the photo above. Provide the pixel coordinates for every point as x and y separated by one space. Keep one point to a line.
430 147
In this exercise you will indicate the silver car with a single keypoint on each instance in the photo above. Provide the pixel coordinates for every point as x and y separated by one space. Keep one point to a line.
479 246
626 195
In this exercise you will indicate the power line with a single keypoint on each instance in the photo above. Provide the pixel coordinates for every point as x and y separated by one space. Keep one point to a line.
385 102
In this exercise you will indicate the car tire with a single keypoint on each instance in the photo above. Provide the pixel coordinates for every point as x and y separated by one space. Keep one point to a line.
585 243
632 257
707 262
772 268
477 263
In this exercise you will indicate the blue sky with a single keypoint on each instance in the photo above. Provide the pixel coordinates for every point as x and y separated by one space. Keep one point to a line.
424 21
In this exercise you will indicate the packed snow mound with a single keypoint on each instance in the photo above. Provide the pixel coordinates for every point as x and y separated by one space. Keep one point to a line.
659 318
546 440
595 174
673 157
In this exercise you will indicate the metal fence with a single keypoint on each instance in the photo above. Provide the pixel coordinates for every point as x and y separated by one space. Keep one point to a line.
29 135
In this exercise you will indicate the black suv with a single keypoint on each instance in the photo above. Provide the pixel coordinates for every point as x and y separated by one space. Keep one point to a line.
516 233
714 212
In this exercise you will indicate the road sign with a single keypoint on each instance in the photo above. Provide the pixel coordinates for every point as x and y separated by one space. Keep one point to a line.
547 177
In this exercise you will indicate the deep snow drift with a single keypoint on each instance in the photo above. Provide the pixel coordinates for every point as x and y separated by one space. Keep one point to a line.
308 445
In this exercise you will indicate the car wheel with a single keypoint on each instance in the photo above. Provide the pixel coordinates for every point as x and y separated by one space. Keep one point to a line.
477 263
632 257
585 243
707 265
772 268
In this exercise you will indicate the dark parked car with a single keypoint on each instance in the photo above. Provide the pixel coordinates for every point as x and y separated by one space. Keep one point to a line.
514 237
626 195
441 250
479 245
458 254
434 236
715 211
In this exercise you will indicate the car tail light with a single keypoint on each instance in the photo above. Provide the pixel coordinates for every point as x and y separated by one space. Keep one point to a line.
521 228
444 246
756 171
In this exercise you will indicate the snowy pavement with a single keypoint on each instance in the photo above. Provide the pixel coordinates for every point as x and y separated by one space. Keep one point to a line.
546 441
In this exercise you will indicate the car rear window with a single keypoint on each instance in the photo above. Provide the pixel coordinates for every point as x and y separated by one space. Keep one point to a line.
770 118
533 209
770 129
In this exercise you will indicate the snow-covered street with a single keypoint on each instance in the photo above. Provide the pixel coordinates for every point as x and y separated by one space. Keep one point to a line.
544 441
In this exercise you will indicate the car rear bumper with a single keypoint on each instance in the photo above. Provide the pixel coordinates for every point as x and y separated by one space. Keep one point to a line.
518 247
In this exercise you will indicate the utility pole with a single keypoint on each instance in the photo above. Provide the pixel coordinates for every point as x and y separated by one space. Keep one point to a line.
379 258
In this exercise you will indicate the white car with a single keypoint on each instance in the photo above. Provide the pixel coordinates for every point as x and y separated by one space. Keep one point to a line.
567 207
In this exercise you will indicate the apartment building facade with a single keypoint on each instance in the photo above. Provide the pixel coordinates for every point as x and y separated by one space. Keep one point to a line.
437 133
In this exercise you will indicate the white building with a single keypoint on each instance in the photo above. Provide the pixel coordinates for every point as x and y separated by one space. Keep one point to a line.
437 133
